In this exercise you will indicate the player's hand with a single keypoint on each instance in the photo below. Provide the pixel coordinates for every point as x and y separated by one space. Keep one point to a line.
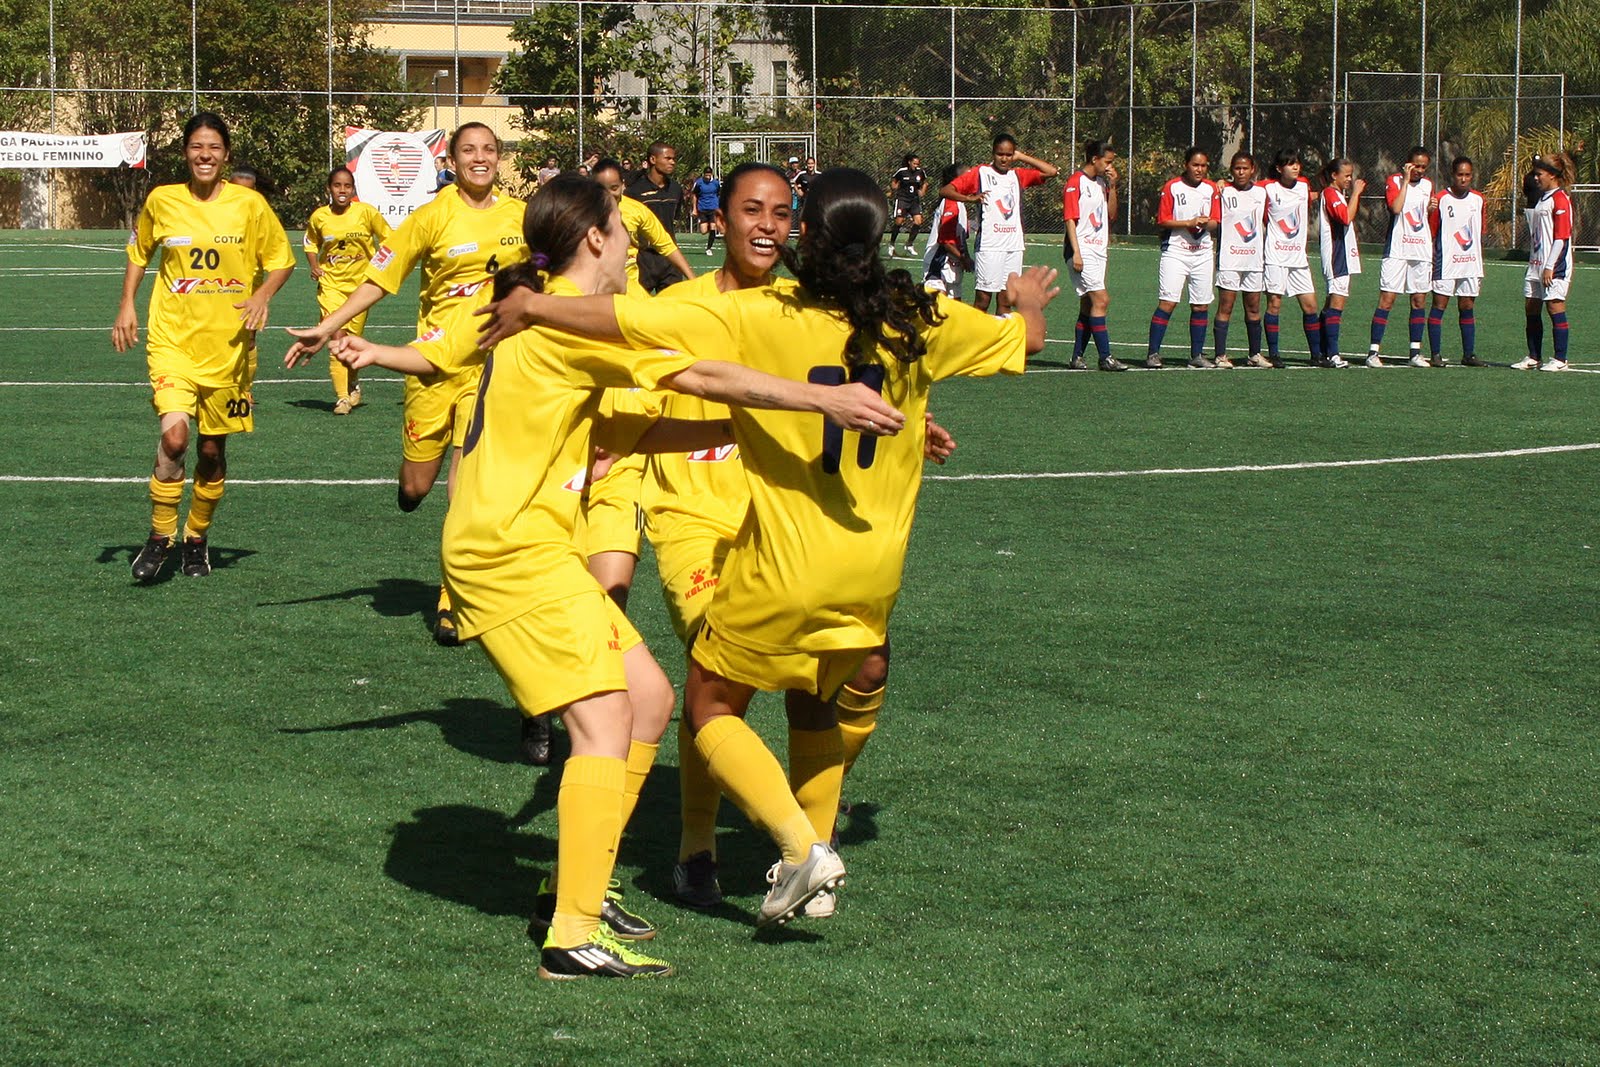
967 263
125 330
317 272
509 315
1433 202
1111 174
1547 278
353 351
601 464
858 407
1358 187
1035 287
937 444
1077 264
253 310
309 342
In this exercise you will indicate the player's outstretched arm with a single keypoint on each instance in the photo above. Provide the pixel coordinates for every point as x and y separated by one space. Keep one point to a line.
357 352
854 406
679 435
310 341
590 316
125 328
1029 294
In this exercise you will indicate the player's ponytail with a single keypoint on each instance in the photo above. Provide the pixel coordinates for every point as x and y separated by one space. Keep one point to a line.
558 218
837 264
1330 170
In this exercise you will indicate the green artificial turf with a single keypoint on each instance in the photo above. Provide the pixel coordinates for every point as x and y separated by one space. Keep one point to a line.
1282 766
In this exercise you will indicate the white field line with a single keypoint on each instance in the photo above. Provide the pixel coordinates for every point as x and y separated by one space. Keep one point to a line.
1261 467
1546 450
308 379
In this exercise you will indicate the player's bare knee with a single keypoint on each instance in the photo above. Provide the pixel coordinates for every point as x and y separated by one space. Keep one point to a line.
873 674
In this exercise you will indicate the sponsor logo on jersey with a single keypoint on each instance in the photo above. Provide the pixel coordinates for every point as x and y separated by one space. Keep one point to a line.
1464 239
206 286
1290 224
1246 233
381 260
1006 205
466 288
461 250
1097 220
133 237
434 334
177 242
712 455
576 483
1416 219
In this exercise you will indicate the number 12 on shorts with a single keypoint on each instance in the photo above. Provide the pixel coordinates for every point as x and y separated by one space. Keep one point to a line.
870 375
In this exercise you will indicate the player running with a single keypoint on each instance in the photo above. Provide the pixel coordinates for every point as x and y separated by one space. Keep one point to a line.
907 187
1456 219
341 239
1407 253
1241 250
707 193
215 237
1189 212
808 588
460 239
1088 209
1549 260
1337 208
1288 272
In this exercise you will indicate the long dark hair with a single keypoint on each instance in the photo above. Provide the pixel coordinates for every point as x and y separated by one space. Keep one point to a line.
739 173
558 218
838 266
208 120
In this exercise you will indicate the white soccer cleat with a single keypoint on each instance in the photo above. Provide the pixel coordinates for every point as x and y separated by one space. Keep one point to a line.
1554 364
1373 361
794 884
1417 360
1338 362
821 906
1525 363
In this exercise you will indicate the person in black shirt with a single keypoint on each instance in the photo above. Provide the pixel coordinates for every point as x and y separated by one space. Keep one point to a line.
802 182
906 189
656 190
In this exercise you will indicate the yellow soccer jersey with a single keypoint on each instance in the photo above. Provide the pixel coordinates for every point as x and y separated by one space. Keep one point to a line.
344 244
819 567
644 231
459 247
508 538
703 492
211 253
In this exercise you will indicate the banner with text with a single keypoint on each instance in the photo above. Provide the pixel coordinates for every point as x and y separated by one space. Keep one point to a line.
42 150
395 172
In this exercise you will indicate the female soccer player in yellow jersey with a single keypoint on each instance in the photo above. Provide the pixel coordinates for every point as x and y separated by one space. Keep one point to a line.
341 238
694 504
215 237
807 589
461 238
517 577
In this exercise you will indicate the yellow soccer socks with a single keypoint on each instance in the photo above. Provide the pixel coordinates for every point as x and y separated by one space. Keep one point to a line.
699 797
858 717
202 506
816 775
641 757
164 500
588 820
752 776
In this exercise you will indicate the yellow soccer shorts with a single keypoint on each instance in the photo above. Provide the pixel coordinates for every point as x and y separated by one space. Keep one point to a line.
217 410
689 568
331 300
562 651
437 415
822 674
612 516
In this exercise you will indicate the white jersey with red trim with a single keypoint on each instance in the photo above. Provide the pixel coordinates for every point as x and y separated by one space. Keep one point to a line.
1179 201
1241 239
1288 222
1550 236
1000 222
1410 235
1341 256
1083 206
1457 224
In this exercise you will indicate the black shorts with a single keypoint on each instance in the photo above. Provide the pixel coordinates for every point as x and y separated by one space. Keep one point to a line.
707 217
656 272
907 209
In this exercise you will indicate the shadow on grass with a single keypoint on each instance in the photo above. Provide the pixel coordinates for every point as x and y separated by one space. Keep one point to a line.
312 405
479 728
122 555
392 598
470 855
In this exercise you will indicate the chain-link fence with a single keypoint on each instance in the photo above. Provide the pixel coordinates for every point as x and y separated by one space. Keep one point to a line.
857 85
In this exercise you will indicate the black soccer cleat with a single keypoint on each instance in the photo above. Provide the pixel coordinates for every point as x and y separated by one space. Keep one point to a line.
1472 361
535 745
196 559
444 629
151 558
621 922
601 955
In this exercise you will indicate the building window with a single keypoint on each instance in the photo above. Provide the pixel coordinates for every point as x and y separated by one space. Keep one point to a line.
780 81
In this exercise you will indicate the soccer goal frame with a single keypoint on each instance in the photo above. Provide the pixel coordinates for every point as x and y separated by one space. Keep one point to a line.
730 149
